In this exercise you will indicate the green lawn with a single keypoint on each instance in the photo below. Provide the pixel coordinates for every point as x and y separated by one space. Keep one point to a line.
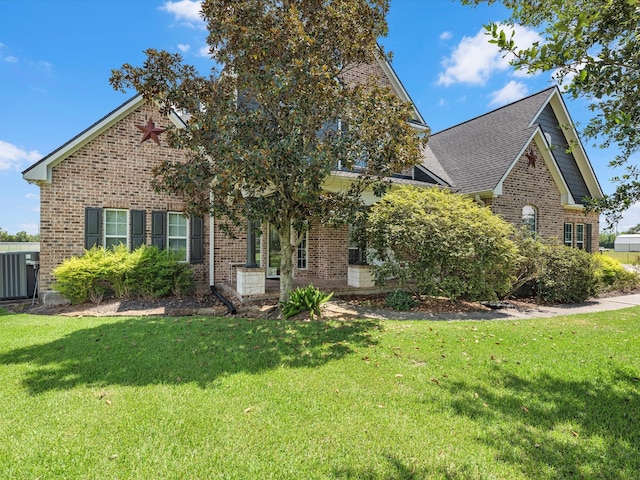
624 257
206 398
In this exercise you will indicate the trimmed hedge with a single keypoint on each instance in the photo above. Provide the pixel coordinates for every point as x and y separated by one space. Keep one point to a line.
145 272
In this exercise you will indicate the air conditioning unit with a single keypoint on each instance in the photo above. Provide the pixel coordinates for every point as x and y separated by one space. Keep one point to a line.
13 275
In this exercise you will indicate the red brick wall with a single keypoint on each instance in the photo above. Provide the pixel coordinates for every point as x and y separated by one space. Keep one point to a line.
360 73
112 171
528 185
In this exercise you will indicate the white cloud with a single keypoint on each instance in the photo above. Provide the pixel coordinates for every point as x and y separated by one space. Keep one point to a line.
9 58
30 228
445 35
14 158
187 11
184 48
32 196
511 92
204 52
630 218
474 59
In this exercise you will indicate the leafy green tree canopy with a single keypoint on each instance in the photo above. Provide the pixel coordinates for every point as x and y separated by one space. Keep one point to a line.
593 47
634 229
262 137
21 236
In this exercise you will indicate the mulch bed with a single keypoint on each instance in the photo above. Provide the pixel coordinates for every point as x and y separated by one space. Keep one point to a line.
209 305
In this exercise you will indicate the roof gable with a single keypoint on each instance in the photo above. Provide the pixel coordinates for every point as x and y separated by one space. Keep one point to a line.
40 172
478 154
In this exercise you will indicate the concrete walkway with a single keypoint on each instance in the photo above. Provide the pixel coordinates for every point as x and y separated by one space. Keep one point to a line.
510 313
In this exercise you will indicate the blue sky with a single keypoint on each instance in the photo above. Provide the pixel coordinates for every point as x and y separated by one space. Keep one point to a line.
56 58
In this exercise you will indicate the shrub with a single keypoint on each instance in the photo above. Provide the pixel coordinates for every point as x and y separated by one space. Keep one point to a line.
308 299
566 275
611 275
446 243
146 272
399 300
81 279
157 274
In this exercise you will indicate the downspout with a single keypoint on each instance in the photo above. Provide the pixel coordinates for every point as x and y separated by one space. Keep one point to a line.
230 307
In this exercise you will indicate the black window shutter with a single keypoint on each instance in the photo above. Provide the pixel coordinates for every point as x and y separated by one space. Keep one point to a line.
587 244
138 228
92 227
197 240
159 229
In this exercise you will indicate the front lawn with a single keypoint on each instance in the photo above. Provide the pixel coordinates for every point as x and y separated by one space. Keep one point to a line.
205 398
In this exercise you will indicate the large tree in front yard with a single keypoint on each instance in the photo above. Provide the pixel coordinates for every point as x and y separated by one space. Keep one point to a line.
262 136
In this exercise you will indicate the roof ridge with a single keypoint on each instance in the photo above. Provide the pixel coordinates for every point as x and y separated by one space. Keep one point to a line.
553 87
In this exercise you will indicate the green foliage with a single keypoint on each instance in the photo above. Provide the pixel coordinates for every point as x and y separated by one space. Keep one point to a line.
271 152
566 275
146 272
594 47
445 243
611 275
607 239
308 299
156 273
399 300
634 229
21 236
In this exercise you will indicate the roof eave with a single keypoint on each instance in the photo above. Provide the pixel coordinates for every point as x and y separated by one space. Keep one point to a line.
399 87
41 172
538 137
582 160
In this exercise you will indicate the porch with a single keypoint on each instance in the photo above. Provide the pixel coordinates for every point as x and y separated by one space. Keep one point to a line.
339 287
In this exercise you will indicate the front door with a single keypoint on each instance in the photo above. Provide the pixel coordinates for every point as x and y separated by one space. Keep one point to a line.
274 253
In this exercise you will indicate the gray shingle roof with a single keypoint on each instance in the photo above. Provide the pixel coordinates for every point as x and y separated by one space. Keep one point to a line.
477 153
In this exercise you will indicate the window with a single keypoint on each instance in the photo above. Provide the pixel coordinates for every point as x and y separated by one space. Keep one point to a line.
357 255
303 252
169 230
357 164
116 227
580 236
530 218
568 234
178 235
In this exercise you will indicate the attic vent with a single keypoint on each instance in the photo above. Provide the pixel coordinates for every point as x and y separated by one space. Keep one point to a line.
547 137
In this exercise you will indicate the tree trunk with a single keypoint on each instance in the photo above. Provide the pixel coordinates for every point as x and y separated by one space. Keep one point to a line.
286 262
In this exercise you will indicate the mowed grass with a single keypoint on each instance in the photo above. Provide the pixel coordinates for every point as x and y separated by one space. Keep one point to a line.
624 257
207 398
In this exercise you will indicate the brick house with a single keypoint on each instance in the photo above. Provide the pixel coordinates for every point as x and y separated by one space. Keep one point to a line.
96 190
517 160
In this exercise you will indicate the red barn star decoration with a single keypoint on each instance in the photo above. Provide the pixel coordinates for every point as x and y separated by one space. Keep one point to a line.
150 131
532 159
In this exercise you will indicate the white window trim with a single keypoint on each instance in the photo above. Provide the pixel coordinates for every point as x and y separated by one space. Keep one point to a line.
104 225
306 252
564 234
580 243
174 237
535 219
